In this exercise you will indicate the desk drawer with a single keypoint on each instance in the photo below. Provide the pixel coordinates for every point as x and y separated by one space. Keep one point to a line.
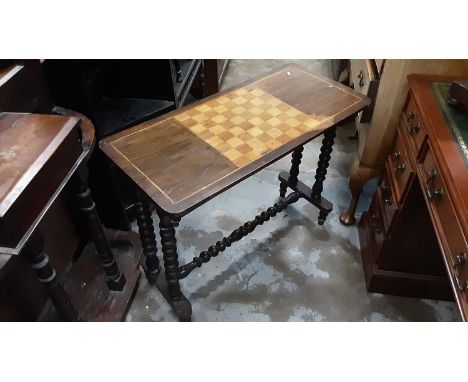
414 126
446 221
389 203
400 167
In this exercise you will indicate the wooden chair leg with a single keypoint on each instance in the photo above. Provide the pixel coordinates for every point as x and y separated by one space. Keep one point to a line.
358 177
39 261
115 279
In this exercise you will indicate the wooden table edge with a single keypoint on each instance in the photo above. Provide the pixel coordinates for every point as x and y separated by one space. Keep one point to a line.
35 167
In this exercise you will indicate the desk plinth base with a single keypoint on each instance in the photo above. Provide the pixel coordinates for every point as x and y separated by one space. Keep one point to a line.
86 282
395 282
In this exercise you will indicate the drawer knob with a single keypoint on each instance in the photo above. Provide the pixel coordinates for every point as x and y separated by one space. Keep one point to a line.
411 115
434 194
413 128
396 155
431 174
399 168
361 79
460 261
461 285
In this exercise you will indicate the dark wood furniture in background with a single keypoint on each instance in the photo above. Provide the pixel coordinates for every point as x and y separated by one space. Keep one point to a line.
41 154
364 77
23 90
214 71
43 160
188 156
414 236
118 94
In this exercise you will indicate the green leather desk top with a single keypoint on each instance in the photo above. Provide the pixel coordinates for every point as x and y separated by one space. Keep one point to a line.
456 120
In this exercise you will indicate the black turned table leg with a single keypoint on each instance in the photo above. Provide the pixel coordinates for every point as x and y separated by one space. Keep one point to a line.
293 172
115 279
170 285
148 241
39 261
323 163
170 256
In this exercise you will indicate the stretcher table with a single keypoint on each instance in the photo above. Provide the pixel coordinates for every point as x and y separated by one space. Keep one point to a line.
186 157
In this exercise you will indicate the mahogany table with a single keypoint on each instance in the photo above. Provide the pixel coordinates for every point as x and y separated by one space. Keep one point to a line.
188 156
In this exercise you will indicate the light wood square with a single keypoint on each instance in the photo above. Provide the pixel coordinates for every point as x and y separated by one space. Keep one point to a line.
256 110
255 131
293 122
198 128
234 142
274 132
214 141
255 121
219 119
237 119
233 154
236 130
239 100
274 111
200 117
238 110
221 109
275 121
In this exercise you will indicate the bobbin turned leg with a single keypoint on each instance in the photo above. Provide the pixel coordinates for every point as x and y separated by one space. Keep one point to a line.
48 277
323 163
148 241
115 279
170 256
169 286
293 172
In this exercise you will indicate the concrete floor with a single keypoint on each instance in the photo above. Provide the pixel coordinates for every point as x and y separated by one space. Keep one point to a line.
289 269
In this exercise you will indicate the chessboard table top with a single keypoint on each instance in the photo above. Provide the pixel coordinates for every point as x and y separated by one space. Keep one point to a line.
187 156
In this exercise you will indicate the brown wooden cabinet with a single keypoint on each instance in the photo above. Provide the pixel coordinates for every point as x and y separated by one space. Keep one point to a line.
376 136
413 238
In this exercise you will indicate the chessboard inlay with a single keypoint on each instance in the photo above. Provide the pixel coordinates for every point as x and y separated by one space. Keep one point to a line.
246 123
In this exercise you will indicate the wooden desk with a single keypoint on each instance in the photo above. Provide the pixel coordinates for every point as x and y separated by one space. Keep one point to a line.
188 156
415 232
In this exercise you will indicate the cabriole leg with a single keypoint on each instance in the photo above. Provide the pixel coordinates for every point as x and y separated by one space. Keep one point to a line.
359 175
